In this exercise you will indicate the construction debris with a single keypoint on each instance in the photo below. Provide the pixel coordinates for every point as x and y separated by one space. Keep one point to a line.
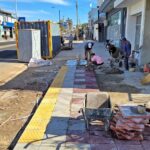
128 123
115 71
39 62
146 80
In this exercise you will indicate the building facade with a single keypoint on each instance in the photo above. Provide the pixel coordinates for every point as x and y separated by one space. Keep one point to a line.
137 29
7 24
93 24
113 25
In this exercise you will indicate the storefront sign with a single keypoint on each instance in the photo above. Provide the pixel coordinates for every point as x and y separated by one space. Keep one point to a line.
21 19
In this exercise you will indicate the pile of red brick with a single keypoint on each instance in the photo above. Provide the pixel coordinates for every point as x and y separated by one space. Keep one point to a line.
147 67
128 128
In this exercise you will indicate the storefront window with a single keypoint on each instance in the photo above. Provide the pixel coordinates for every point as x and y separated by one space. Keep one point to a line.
115 19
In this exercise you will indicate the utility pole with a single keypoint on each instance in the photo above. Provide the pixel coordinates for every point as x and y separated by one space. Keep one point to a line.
77 27
16 9
59 16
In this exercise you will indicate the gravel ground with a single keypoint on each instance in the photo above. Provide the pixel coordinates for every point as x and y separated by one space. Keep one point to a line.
19 96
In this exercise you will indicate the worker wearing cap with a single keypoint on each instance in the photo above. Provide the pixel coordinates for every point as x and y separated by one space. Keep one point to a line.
88 50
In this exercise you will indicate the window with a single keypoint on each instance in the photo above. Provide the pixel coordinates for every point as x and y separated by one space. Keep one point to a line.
115 19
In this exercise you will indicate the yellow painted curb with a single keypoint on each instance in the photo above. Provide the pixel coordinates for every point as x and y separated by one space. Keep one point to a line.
36 128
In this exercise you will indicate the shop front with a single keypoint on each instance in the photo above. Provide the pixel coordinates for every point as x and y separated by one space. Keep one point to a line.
116 25
8 30
137 31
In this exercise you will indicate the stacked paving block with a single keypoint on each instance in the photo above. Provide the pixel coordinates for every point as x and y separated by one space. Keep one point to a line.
127 124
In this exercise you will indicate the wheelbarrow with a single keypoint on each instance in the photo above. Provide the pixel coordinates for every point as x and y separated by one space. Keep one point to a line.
97 106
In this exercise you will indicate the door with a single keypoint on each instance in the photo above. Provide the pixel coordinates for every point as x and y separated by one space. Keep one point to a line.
138 31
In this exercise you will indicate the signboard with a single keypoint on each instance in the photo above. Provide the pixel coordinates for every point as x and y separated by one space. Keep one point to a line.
21 19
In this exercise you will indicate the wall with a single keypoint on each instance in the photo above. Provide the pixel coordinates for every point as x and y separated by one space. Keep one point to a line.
96 32
1 17
132 11
93 17
145 56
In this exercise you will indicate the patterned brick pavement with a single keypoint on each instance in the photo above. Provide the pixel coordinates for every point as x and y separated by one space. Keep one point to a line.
96 138
66 129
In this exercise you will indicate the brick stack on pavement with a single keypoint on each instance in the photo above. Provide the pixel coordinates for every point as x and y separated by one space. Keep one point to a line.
128 125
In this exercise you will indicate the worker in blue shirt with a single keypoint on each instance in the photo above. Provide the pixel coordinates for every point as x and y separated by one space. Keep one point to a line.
126 48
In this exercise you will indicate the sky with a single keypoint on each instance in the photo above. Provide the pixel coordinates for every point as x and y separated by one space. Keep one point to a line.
49 9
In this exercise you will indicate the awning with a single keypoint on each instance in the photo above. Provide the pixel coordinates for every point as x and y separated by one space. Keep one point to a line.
8 24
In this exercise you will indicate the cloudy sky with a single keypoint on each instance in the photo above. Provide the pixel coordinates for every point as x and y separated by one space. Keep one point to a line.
48 9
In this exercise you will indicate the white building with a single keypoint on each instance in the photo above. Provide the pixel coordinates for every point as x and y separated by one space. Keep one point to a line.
137 25
7 22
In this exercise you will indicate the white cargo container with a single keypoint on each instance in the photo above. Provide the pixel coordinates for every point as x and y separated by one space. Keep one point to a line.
29 44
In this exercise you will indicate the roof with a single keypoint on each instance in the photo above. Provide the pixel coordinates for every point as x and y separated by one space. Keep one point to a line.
5 12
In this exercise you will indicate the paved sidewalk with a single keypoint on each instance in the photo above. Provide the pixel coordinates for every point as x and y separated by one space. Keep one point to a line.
9 71
66 127
8 40
57 123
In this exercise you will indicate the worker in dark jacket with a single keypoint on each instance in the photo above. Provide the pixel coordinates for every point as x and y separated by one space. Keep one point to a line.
126 48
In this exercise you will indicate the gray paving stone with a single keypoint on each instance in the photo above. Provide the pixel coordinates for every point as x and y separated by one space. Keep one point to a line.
20 146
52 147
78 95
80 86
49 133
59 113
64 95
71 146
65 101
76 107
77 125
62 107
80 75
67 90
53 139
79 80
68 85
57 123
